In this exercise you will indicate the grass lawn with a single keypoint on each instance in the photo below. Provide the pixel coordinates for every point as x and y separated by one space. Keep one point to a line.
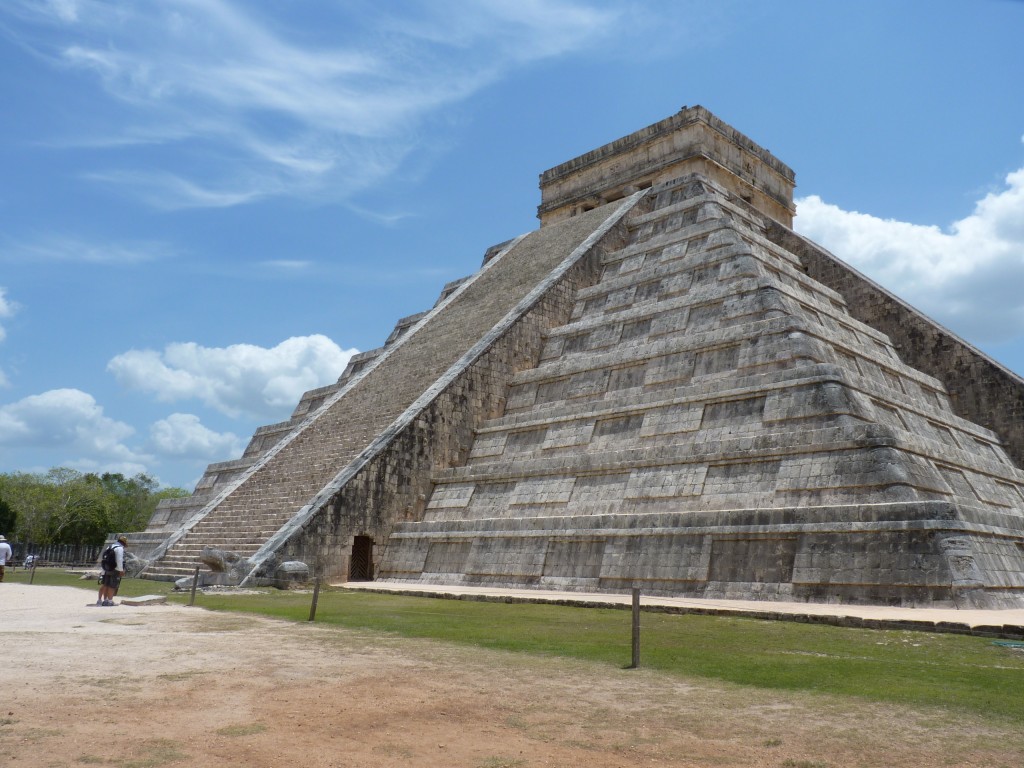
953 672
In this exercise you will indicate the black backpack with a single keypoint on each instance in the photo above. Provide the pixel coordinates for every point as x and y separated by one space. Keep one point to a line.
109 559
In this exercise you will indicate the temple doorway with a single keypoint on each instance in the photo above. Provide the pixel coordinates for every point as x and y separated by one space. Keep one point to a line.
361 563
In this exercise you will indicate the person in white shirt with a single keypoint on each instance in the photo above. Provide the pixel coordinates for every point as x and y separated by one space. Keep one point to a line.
6 553
111 578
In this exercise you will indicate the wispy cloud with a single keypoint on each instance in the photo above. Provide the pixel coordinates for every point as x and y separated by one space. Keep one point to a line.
55 248
168 191
65 10
288 265
7 309
967 276
284 109
514 30
388 219
242 379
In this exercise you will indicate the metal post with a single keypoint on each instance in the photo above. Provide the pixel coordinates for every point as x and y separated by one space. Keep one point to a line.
636 629
195 583
316 596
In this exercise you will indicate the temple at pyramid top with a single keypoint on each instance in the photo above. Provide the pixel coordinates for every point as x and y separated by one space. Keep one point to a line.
664 387
690 141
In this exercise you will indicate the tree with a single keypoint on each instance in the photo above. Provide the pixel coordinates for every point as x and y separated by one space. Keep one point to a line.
56 507
66 506
8 519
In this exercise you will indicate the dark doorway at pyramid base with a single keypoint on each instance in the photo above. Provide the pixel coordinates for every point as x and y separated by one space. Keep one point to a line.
901 554
361 563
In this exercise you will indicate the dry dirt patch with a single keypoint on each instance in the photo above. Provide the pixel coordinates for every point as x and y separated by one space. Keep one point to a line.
143 687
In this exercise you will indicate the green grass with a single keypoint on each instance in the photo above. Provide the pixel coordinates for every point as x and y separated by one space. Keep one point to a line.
59 577
966 674
502 762
241 730
152 753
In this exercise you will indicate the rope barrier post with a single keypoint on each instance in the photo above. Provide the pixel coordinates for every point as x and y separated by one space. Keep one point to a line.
316 596
195 583
636 629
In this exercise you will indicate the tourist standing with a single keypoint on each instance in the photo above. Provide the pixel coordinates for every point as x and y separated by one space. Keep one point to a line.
113 570
6 553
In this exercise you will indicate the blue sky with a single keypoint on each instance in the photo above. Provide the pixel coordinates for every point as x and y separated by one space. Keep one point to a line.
207 205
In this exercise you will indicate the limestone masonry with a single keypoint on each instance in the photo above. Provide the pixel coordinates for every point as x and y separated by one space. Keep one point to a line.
662 387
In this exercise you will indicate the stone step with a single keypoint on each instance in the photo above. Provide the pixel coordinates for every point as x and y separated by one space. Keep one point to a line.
685 271
195 548
238 531
669 363
211 536
560 412
196 552
777 445
633 249
660 209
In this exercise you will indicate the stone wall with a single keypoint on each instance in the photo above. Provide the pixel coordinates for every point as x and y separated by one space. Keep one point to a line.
711 421
981 390
691 141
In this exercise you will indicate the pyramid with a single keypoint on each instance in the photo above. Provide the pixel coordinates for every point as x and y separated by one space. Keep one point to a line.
662 387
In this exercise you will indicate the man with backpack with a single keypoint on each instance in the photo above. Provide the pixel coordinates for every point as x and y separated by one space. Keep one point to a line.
112 563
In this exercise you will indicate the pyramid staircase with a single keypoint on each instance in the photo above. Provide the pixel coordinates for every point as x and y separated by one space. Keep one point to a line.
294 467
713 422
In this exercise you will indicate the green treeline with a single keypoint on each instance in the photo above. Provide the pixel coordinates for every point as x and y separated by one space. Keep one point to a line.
64 506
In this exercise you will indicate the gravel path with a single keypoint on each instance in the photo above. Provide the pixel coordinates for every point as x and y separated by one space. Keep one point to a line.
167 685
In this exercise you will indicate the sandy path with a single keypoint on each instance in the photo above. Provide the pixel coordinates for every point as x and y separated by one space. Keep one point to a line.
142 687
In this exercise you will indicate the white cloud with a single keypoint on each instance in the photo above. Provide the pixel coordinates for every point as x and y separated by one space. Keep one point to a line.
69 427
260 106
68 419
968 277
235 380
183 435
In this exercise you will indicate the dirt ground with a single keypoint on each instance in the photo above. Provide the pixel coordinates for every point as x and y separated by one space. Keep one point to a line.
150 686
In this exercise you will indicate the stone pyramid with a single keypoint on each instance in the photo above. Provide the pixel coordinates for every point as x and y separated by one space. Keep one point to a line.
663 387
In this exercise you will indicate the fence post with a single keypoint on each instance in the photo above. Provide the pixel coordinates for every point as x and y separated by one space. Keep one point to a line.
316 597
195 583
636 629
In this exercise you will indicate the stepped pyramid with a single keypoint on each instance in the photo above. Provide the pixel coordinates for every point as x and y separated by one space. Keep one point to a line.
663 387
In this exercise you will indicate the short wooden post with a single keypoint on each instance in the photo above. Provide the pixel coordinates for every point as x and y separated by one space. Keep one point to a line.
636 629
195 583
316 596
